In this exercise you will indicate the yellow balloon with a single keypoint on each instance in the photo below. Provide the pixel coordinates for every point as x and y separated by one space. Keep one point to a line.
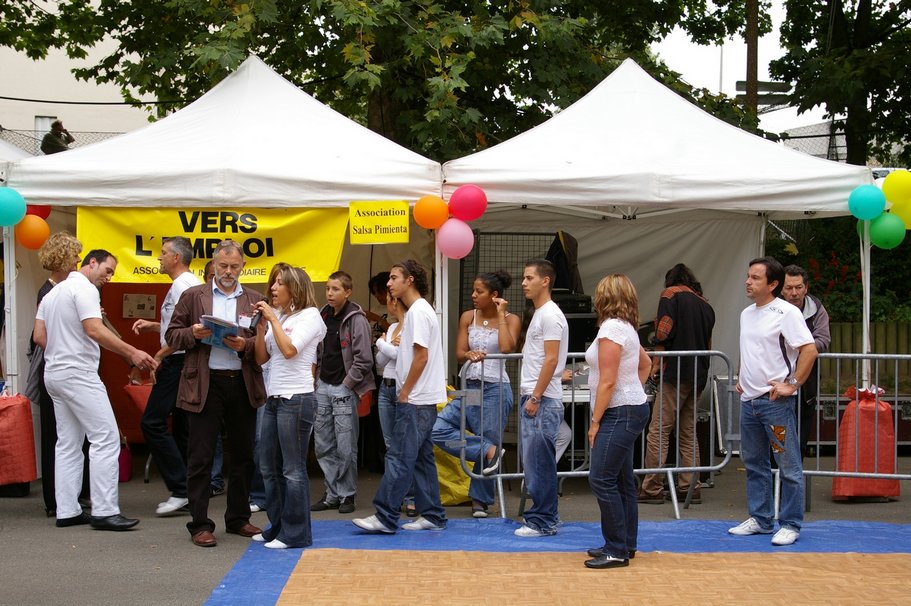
897 186
903 211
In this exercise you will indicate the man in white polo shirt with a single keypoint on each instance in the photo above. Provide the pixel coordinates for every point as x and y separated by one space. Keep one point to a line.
776 355
421 381
70 328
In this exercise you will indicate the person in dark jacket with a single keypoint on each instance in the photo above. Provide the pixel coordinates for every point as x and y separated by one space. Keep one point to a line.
684 323
345 373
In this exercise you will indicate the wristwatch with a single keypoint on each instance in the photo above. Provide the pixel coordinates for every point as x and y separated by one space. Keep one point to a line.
534 400
792 381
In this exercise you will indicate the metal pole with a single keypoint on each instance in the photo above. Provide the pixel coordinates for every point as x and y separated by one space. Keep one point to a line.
10 316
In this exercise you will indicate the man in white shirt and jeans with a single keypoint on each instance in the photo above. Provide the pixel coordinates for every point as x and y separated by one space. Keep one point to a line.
541 410
776 354
420 377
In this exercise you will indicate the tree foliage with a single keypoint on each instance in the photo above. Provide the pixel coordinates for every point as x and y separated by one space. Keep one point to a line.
852 57
442 77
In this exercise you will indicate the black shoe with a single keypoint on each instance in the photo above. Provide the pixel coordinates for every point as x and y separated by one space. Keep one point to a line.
323 505
82 518
346 505
114 522
606 561
596 552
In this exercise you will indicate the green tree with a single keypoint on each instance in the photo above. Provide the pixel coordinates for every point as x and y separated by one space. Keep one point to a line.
852 57
442 77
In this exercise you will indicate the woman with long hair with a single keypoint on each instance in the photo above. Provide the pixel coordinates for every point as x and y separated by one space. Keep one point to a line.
618 368
287 337
487 329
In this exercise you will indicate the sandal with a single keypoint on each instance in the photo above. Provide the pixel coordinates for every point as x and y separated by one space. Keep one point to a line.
410 510
478 509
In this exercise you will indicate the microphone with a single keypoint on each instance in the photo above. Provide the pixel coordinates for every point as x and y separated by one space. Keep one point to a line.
254 321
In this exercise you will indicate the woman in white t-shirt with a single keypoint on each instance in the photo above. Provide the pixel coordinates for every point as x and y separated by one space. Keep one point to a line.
287 337
618 368
487 329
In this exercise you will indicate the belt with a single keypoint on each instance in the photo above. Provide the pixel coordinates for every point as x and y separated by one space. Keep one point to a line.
230 374
389 382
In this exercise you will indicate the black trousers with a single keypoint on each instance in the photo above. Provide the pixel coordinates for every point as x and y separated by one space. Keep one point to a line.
226 403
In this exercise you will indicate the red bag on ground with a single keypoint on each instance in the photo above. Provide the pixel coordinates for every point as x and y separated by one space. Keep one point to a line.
872 443
17 441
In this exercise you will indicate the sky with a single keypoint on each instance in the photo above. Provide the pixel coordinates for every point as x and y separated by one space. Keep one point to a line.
710 66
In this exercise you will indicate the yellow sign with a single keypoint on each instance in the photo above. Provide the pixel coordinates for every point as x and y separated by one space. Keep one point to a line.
382 222
311 238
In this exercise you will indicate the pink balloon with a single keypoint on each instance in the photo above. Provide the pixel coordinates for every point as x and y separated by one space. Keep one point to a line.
467 202
455 239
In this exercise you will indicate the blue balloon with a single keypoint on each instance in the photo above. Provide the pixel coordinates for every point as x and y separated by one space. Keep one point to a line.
12 207
866 202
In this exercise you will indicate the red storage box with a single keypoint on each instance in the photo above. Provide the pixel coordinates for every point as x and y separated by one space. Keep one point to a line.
866 443
17 441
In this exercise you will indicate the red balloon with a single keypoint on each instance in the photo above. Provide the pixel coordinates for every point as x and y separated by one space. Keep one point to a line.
32 231
39 210
467 202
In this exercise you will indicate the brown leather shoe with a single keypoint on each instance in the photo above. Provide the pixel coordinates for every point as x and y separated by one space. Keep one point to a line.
247 530
204 538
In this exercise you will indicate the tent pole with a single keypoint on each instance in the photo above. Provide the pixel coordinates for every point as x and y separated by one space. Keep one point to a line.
865 273
11 368
440 288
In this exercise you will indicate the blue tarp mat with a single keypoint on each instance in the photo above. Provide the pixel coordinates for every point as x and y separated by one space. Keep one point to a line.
261 573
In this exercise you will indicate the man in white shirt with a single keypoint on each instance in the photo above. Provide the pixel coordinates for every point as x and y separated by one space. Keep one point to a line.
776 355
541 410
421 382
70 328
168 449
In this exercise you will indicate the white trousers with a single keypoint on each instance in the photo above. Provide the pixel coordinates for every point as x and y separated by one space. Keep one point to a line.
83 411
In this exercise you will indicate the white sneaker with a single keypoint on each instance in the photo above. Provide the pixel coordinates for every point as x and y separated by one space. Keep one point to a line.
171 505
495 463
254 508
421 523
275 544
372 524
785 536
528 532
259 538
748 527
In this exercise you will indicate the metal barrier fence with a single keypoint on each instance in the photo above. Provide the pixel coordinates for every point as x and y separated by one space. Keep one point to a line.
29 141
865 431
716 413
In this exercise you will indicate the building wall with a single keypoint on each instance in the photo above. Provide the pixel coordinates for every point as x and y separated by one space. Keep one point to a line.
51 79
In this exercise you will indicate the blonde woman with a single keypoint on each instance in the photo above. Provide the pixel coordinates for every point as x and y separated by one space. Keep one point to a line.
618 368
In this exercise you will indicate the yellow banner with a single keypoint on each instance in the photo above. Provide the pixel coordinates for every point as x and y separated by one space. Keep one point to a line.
308 238
378 222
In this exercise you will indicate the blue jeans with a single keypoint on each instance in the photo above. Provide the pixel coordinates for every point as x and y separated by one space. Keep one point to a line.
335 439
387 397
612 479
257 485
772 424
286 428
539 459
486 422
410 459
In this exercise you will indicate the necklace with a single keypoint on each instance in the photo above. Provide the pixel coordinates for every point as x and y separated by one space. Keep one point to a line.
484 322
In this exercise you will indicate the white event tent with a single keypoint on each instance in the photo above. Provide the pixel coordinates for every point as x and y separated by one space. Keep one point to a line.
643 179
254 140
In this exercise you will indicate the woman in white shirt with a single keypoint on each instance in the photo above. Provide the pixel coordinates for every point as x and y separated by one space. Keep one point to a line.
618 368
487 329
287 337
